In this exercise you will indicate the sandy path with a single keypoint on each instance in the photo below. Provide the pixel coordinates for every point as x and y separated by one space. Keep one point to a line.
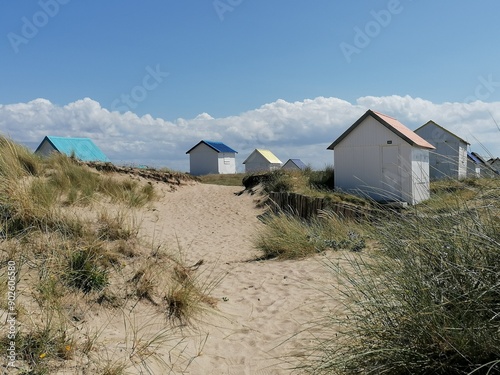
261 304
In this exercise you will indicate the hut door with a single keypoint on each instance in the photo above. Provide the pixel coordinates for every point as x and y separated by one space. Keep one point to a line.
391 173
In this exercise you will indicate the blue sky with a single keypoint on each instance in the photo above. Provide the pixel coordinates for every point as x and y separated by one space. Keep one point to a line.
295 73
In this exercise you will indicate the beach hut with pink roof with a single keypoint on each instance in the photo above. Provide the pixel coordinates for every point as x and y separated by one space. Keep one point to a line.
380 158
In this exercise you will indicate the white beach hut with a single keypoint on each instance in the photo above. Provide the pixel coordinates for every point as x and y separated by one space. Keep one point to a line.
261 161
294 165
481 166
381 158
208 157
449 159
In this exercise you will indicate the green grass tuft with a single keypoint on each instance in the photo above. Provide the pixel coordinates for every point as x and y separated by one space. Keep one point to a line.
85 272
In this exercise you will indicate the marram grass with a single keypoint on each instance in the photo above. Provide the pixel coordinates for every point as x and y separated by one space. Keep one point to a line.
427 302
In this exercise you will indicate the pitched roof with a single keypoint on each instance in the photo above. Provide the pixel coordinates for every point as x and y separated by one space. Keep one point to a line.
440 127
479 157
217 146
473 157
484 162
390 123
299 163
83 148
268 155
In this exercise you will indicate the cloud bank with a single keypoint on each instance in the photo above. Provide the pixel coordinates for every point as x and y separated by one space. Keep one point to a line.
291 130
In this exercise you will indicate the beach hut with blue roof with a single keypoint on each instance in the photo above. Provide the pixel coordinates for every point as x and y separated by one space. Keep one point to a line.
294 165
209 157
81 148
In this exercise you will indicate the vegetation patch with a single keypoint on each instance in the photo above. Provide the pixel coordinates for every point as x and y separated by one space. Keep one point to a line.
427 301
223 179
84 271
71 261
290 237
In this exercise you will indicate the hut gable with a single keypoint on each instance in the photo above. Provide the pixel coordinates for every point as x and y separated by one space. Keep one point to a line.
209 157
495 164
261 161
449 159
485 169
294 165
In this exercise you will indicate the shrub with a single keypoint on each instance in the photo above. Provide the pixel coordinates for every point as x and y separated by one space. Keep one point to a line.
322 180
278 181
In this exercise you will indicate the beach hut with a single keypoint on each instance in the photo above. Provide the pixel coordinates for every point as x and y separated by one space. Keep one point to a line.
294 165
380 158
209 157
486 170
449 159
261 161
82 148
473 165
495 164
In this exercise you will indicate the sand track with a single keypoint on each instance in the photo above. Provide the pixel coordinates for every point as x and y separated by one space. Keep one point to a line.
261 304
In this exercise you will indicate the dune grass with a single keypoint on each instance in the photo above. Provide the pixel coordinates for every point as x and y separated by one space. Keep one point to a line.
428 300
223 179
422 298
290 237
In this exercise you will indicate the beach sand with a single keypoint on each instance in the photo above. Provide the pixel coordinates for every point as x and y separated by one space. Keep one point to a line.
261 308
262 305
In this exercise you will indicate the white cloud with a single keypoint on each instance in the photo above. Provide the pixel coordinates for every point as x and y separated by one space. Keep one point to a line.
291 130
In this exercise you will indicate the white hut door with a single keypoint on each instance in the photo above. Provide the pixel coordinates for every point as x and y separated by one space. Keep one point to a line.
391 172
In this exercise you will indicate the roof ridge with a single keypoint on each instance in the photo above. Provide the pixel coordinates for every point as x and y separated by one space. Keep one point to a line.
383 114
